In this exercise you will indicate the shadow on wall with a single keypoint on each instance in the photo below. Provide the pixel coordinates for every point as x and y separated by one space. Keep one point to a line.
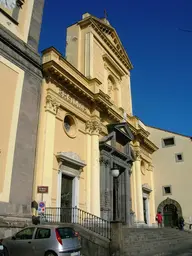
90 248
92 243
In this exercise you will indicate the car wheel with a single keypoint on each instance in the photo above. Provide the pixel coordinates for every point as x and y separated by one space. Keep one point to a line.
50 254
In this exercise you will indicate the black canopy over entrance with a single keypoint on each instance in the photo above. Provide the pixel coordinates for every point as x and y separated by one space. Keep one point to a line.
115 152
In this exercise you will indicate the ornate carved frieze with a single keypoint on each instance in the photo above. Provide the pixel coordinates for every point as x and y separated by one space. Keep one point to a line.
72 100
93 127
51 104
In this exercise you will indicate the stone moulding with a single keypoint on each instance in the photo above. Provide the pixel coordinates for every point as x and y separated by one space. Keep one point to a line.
21 53
146 187
71 157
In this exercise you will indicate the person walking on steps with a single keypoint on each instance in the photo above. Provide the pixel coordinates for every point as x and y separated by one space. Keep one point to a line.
159 219
181 223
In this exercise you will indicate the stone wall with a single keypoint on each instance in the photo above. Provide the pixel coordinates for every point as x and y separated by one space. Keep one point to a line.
11 225
26 57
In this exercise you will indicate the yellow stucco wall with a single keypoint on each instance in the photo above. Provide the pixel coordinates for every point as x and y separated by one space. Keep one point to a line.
63 143
10 97
22 29
169 172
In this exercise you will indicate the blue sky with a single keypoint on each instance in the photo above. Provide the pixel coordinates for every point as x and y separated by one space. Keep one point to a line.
161 80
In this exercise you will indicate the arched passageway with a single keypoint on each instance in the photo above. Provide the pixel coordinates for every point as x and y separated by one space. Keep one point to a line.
171 211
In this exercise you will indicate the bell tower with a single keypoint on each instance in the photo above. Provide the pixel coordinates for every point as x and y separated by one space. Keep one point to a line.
95 49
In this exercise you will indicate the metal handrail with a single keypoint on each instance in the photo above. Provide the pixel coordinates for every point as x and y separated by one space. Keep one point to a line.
78 216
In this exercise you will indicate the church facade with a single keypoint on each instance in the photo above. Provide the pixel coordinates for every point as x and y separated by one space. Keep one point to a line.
92 153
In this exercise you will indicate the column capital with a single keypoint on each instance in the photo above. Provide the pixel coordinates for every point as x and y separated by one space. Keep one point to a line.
150 167
93 127
51 105
96 128
137 152
88 126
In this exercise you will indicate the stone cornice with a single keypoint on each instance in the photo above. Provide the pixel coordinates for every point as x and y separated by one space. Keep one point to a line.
109 60
21 48
120 53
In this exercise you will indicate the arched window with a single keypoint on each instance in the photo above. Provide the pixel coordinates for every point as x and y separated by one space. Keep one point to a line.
112 89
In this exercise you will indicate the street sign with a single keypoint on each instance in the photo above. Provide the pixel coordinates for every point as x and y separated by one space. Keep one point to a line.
42 189
41 207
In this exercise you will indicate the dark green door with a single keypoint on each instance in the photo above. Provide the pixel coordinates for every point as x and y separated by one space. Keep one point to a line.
66 198
170 215
144 210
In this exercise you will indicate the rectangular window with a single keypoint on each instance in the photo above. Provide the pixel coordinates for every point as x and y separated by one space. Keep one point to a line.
167 142
167 190
179 157
43 233
66 232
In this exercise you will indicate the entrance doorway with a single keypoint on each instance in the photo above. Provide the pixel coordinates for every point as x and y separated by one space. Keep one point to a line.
66 191
145 209
66 198
170 215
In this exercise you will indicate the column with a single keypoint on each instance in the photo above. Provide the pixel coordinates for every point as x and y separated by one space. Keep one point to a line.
48 149
95 169
128 195
139 193
88 166
152 195
102 186
134 189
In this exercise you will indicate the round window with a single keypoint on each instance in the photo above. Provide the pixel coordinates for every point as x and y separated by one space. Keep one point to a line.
70 126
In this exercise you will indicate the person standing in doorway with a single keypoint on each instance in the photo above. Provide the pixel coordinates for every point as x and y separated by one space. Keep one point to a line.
159 219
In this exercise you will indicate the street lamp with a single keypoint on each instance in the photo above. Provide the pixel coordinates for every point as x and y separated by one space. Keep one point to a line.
115 172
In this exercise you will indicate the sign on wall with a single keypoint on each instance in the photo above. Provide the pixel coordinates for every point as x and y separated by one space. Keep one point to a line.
42 189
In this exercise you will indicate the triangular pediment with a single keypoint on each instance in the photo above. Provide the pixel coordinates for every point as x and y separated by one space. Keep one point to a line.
121 128
113 37
110 34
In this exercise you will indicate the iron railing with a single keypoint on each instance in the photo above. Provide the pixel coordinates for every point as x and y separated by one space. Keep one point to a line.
80 217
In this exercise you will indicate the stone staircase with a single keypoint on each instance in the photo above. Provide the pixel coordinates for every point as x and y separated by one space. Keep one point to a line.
156 242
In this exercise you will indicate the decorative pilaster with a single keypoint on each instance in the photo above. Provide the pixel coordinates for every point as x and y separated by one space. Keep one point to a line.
139 193
152 195
46 142
89 55
93 129
88 128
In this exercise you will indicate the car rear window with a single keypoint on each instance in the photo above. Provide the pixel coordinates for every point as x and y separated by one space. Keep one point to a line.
66 232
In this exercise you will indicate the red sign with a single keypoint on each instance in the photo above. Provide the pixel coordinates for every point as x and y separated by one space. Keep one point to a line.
42 189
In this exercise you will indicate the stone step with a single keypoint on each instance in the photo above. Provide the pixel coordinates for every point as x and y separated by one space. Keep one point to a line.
146 242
